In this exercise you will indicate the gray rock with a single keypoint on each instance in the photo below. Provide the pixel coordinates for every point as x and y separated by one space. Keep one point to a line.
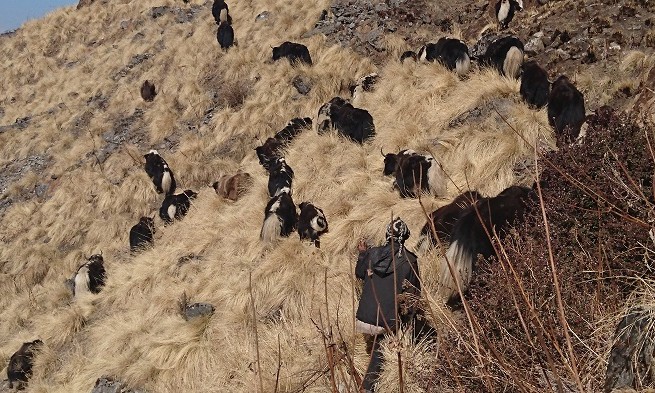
110 385
535 44
302 84
631 361
40 190
562 54
156 12
262 16
197 310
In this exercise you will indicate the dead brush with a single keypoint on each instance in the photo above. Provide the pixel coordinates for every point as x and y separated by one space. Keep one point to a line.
575 260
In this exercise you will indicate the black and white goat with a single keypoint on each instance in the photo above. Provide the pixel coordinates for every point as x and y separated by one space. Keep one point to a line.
221 12
505 10
311 223
160 173
175 207
505 54
414 173
141 234
280 178
90 276
350 122
363 84
451 52
566 111
280 218
19 369
443 220
474 230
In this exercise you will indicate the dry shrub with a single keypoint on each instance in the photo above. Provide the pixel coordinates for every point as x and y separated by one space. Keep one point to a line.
597 196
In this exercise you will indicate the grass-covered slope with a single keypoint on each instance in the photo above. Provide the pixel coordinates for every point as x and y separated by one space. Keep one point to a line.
74 185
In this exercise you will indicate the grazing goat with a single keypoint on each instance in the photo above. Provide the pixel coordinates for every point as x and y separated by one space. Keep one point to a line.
566 111
293 51
141 234
451 52
19 369
160 173
90 276
505 54
280 218
535 86
221 12
269 152
225 35
474 230
414 172
148 92
311 223
443 220
175 207
280 177
234 186
350 122
505 10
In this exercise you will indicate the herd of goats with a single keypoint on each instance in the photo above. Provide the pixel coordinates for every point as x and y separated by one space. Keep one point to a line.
464 224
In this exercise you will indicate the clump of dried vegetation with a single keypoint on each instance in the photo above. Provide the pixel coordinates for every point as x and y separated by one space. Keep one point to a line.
545 312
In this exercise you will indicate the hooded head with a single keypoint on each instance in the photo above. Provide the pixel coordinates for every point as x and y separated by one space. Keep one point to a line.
397 230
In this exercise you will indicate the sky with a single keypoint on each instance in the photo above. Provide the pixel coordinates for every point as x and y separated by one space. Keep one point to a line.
14 13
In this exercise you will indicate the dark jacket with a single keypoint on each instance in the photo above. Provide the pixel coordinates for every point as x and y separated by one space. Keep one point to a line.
379 284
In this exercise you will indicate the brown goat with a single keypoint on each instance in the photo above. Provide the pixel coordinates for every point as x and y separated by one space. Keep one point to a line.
233 186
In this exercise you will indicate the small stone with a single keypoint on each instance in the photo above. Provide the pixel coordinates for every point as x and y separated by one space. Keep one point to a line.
614 46
40 190
535 45
562 54
124 24
196 310
70 284
302 84
262 16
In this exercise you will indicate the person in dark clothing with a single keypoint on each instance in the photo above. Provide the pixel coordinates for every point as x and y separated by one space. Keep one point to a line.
390 292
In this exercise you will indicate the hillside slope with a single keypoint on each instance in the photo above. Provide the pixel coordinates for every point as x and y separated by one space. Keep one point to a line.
73 184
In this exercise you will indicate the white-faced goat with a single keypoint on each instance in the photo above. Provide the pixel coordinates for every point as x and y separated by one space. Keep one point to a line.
141 234
280 178
350 122
232 187
311 223
19 369
505 54
535 86
177 206
473 233
280 218
293 51
270 151
90 276
442 221
414 173
450 52
160 173
566 111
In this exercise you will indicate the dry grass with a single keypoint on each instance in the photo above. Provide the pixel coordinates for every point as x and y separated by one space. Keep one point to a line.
51 70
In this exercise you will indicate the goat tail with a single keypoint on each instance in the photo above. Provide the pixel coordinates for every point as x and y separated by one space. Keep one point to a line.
461 260
463 64
513 62
271 229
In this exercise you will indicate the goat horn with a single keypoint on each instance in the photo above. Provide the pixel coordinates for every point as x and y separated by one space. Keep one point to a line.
381 152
